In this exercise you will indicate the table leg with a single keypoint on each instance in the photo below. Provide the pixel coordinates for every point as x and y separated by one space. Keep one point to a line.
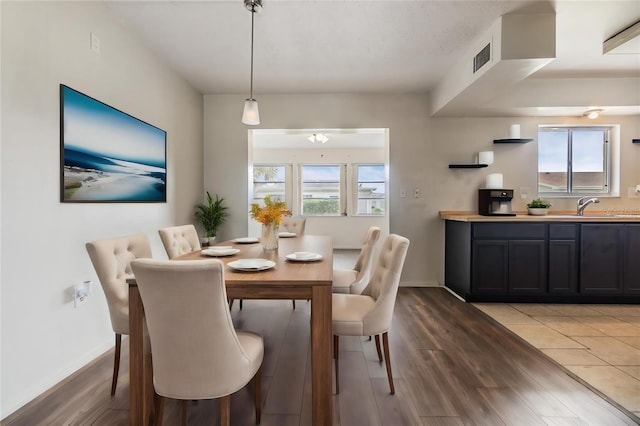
321 335
140 369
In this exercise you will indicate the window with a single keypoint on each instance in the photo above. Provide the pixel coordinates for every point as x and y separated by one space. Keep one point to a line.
370 189
573 160
269 179
321 189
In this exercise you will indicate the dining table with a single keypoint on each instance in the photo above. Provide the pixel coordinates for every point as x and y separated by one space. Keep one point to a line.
307 278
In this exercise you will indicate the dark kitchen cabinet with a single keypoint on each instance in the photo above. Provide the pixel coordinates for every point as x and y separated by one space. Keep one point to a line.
509 258
527 266
566 262
631 274
563 259
601 258
490 266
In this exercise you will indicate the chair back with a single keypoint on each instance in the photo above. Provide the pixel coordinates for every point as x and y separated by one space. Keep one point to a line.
365 260
111 258
196 351
383 286
179 240
293 224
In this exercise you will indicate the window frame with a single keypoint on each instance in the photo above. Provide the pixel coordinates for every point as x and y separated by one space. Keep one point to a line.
341 185
608 161
355 173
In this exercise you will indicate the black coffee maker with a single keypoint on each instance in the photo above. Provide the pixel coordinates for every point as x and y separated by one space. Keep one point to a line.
495 202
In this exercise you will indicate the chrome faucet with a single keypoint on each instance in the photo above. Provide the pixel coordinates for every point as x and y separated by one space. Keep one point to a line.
584 202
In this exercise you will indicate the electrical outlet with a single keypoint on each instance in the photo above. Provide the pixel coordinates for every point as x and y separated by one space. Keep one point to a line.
524 192
417 193
81 293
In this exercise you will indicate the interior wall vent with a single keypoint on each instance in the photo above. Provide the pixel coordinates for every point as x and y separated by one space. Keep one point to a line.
482 58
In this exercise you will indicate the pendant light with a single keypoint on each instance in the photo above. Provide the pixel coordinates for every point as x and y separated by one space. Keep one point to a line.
251 115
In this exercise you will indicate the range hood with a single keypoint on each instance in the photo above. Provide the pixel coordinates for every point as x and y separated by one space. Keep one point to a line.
513 48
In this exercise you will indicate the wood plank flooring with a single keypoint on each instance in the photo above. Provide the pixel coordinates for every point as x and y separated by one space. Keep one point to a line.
452 365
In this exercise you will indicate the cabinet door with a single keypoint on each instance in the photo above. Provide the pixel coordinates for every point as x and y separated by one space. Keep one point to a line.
601 259
527 266
632 259
563 267
489 266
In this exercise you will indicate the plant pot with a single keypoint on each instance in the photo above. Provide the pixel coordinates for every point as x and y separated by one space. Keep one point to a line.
207 241
538 211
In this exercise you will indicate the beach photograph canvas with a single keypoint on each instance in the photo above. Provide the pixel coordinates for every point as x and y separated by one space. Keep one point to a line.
108 155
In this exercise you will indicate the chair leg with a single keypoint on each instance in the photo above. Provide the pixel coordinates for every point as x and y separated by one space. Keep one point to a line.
240 304
116 364
378 348
183 412
230 304
294 303
158 401
257 381
225 410
385 343
335 359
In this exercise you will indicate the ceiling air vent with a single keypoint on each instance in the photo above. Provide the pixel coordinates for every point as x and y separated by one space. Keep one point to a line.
482 58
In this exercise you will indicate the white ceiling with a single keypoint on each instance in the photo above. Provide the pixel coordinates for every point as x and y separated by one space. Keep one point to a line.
355 46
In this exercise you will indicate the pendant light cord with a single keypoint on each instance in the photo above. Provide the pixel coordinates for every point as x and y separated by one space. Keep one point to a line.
253 12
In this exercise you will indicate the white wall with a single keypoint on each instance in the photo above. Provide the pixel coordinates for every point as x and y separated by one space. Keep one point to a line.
44 338
420 150
409 159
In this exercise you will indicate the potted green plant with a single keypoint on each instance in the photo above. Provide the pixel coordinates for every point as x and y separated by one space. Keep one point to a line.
211 215
538 207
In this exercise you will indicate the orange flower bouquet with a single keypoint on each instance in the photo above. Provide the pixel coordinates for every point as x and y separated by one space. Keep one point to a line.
270 216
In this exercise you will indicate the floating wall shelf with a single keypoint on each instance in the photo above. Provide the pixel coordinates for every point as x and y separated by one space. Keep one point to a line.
512 140
635 140
467 166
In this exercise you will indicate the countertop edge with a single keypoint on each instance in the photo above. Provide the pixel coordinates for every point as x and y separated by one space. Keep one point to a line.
465 216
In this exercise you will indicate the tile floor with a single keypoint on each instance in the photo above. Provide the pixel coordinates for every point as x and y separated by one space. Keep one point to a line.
600 344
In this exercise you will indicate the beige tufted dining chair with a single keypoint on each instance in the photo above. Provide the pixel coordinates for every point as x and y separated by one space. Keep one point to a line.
355 280
179 240
111 259
293 224
370 313
197 353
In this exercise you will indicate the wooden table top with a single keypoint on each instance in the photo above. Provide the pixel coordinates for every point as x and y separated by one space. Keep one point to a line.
285 272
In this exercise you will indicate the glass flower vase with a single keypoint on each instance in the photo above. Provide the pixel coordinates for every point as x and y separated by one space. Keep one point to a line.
269 236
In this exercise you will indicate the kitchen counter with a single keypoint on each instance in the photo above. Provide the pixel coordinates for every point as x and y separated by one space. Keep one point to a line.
601 217
558 258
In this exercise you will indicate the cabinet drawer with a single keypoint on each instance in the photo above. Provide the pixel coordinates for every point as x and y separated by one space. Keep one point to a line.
509 230
564 231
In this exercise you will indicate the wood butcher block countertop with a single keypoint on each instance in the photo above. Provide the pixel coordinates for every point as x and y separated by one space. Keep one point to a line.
551 217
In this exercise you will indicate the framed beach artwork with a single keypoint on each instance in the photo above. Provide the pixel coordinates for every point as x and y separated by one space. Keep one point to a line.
108 156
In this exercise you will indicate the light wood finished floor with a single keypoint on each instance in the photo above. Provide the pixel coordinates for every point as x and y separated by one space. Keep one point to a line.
453 365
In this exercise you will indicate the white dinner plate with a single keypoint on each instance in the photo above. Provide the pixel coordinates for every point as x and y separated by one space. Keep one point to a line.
286 234
304 256
246 240
220 251
251 264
